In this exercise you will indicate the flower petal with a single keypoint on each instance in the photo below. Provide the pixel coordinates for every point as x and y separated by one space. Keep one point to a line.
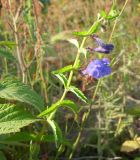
102 47
98 40
98 68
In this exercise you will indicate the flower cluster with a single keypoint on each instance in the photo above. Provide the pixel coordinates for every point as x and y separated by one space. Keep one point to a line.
99 68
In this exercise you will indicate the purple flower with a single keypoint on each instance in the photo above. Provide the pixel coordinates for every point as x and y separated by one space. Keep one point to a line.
98 68
102 47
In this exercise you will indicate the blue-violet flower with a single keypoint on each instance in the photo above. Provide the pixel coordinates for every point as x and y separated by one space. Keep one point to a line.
98 68
102 47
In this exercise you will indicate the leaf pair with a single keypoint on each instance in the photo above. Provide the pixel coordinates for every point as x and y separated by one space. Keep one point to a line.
73 89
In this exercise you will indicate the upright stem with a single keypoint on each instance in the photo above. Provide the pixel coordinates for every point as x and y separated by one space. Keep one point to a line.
76 61
69 83
71 73
84 119
19 55
114 26
20 59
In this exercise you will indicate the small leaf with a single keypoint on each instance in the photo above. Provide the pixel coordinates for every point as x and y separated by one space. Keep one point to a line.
56 130
9 44
74 41
112 14
66 69
63 70
81 33
78 93
62 78
68 103
12 118
71 105
103 14
12 89
50 109
92 30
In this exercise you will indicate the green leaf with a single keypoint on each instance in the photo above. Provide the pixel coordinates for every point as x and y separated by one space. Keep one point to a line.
62 78
68 103
112 14
6 54
81 33
92 30
103 14
71 105
50 109
63 70
56 130
135 110
26 136
66 69
78 93
9 44
12 118
21 137
12 89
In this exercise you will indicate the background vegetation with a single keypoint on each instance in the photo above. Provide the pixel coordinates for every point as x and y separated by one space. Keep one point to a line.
102 118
